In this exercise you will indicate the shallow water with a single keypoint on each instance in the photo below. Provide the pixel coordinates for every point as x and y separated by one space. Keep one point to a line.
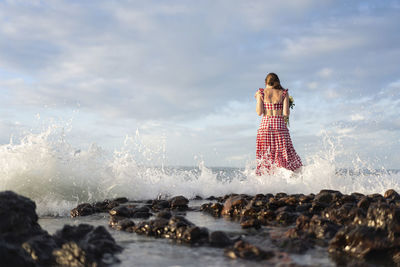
140 250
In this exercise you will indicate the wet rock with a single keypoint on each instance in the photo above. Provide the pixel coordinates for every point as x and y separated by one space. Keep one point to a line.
197 197
325 198
123 225
22 236
40 248
214 209
361 242
85 244
106 205
121 200
233 205
267 216
339 215
165 214
179 203
195 234
83 209
317 207
244 250
14 256
391 194
219 239
158 205
286 218
17 214
280 195
364 203
122 211
322 228
250 223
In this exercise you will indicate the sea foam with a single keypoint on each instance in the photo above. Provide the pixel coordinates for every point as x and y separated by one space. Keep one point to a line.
45 167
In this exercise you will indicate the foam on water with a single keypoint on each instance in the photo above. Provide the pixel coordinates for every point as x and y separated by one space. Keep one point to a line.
46 168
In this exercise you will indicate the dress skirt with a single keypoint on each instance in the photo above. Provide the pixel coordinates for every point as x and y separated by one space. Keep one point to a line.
274 146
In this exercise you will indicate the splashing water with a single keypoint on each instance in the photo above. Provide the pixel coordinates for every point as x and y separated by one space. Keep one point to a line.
46 168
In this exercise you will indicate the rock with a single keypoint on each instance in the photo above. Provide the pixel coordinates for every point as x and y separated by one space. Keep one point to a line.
84 243
40 248
250 223
14 256
122 211
179 203
17 214
121 200
325 198
322 228
83 209
195 234
364 203
360 242
391 194
214 209
286 218
123 225
244 250
233 205
219 239
164 214
158 205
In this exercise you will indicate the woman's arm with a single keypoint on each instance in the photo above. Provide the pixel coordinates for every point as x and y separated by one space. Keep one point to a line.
260 104
286 110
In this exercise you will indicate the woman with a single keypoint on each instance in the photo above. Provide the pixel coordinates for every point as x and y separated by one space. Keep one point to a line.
274 146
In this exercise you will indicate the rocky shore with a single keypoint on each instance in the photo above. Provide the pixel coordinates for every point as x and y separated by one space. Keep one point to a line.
355 229
24 243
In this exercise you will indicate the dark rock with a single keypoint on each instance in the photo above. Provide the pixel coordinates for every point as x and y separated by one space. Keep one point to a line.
219 239
280 195
250 223
84 244
121 200
122 211
195 234
197 197
179 203
14 256
160 205
83 209
325 198
40 248
286 218
141 215
364 203
361 242
391 194
233 205
214 209
123 225
17 214
244 250
322 228
164 214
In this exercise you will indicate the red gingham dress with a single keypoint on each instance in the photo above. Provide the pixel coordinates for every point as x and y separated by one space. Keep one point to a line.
274 146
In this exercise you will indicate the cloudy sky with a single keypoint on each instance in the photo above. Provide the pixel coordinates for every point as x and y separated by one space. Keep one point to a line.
184 73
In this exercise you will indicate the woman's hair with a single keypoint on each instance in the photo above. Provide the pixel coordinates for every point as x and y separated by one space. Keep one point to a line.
273 80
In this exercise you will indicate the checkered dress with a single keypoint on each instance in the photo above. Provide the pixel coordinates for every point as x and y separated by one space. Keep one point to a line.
274 146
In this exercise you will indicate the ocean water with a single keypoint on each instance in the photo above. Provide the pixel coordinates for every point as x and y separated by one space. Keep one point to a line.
57 176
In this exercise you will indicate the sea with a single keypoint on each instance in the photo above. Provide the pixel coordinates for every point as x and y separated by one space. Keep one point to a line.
45 167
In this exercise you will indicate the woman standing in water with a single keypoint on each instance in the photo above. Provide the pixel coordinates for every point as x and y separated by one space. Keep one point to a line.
274 146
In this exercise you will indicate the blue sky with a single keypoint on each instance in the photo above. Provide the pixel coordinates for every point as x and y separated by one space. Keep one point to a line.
184 74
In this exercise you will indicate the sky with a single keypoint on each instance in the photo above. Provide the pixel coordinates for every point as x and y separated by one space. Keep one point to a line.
181 75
